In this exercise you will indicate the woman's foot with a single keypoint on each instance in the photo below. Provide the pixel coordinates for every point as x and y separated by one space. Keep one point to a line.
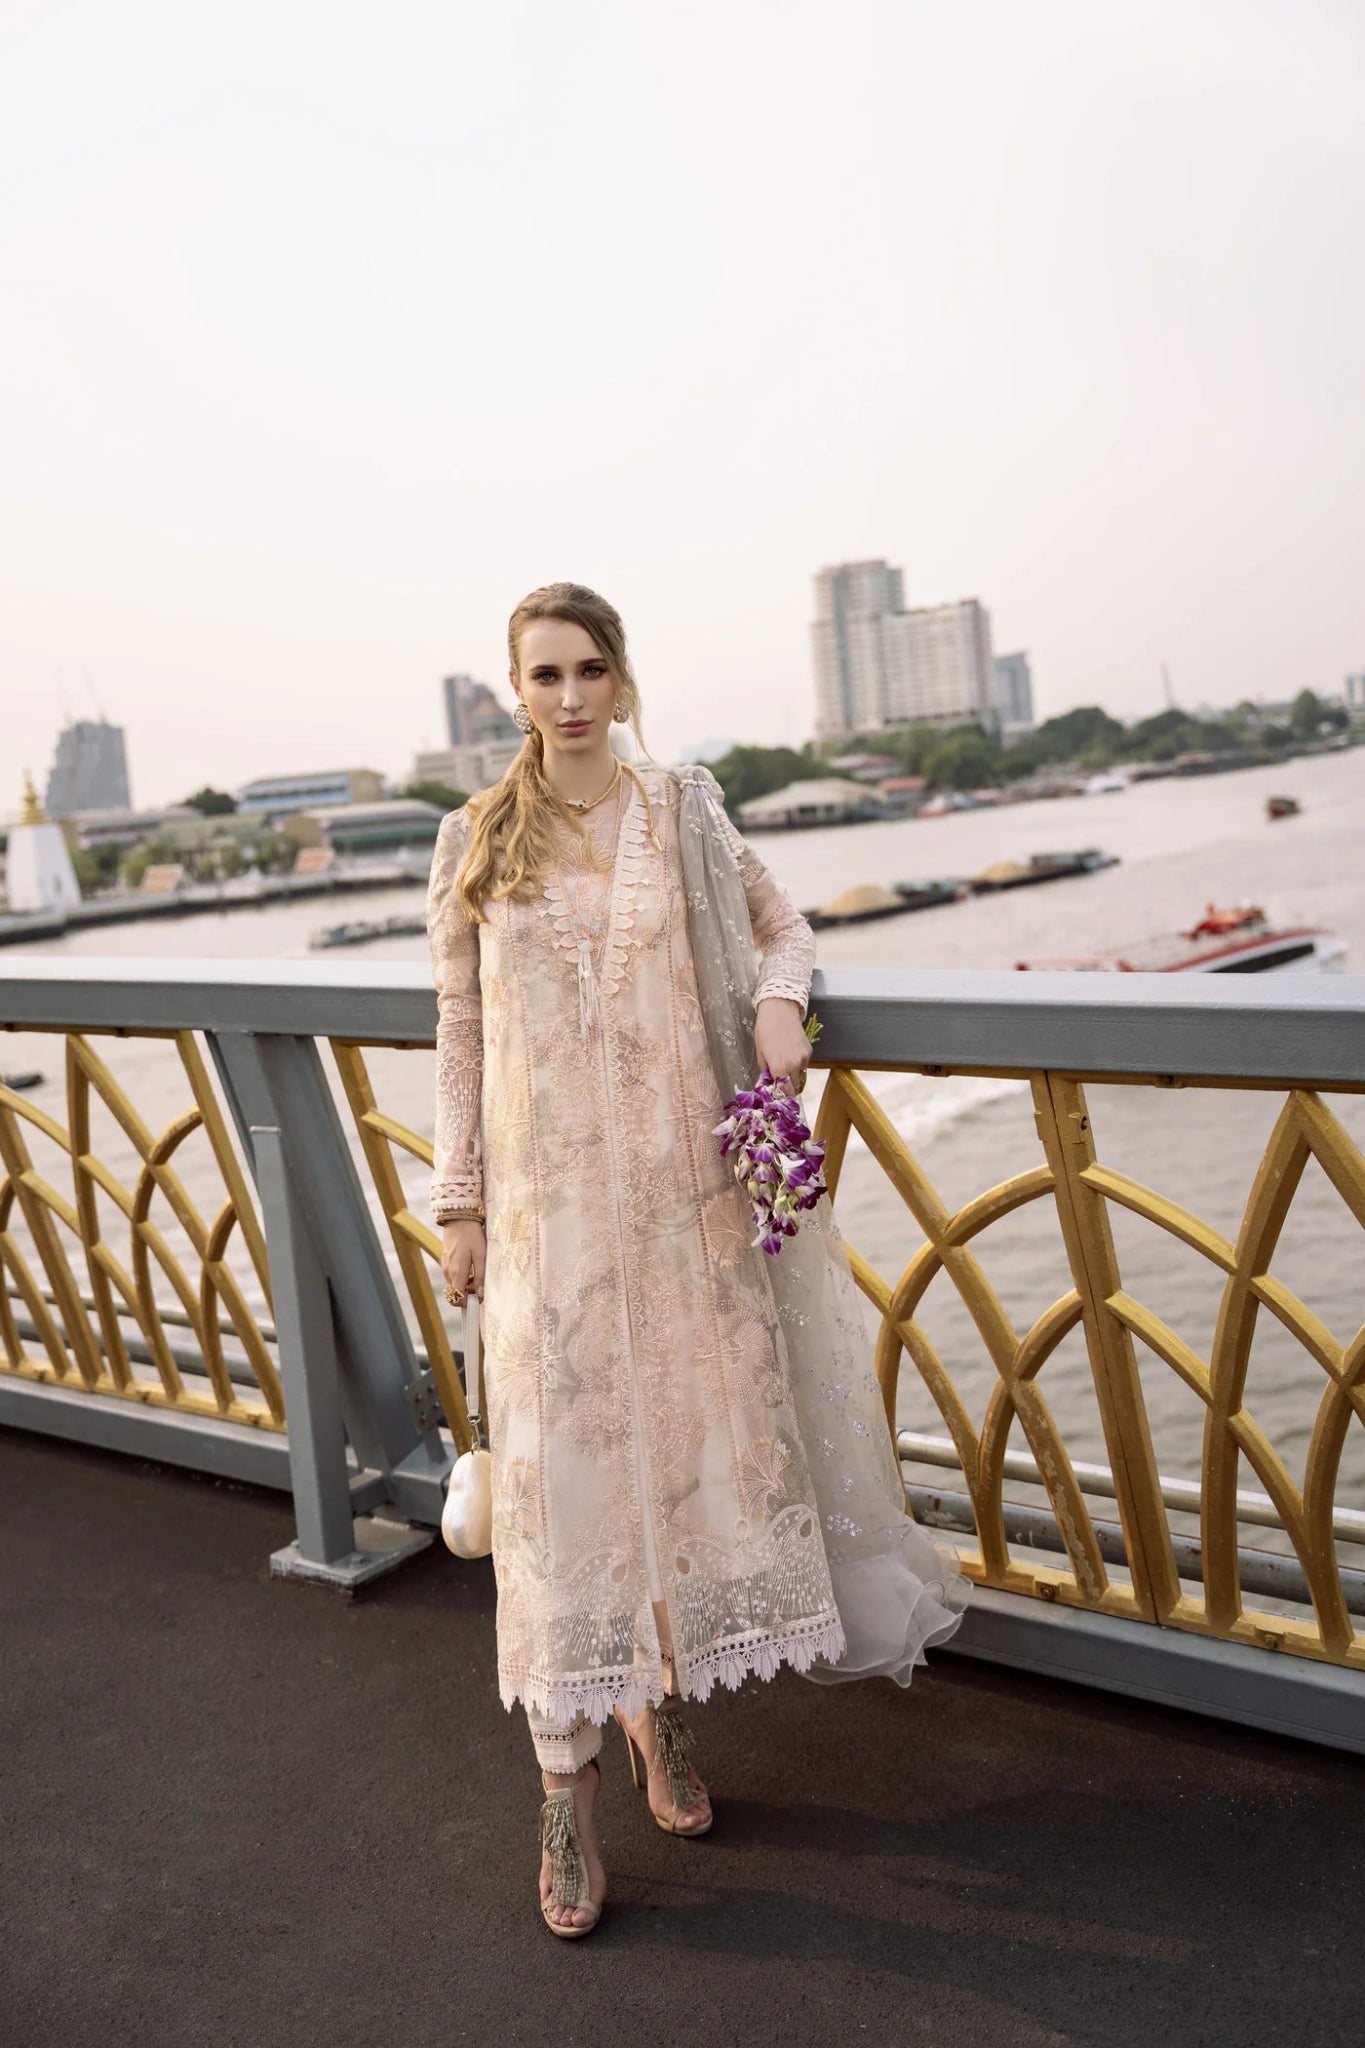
576 1843
677 1797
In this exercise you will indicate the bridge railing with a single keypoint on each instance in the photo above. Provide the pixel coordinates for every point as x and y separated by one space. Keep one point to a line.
274 1314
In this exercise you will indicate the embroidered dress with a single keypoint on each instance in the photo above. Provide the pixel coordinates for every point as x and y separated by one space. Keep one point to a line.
644 1429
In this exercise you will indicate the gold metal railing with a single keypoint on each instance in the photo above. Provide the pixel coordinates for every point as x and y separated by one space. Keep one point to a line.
80 1341
1082 1188
416 1246
126 1239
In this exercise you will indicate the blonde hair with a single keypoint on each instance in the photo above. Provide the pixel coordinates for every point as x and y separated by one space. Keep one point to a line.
510 844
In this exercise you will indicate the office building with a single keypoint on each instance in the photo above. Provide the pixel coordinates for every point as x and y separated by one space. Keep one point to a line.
467 768
1013 695
399 825
125 828
279 796
879 666
473 714
1353 694
89 770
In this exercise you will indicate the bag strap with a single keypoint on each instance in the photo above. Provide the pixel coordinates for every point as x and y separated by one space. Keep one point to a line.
473 1391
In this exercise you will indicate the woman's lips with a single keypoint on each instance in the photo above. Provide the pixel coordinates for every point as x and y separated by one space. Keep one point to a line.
575 725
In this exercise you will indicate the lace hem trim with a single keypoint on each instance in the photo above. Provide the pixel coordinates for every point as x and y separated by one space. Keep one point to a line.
592 1695
456 1194
819 1638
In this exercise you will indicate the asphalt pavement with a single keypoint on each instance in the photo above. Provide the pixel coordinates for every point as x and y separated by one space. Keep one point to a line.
245 1810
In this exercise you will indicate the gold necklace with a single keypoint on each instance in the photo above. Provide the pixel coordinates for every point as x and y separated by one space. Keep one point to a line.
583 804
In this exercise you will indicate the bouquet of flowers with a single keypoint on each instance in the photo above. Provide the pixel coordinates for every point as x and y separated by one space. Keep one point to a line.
777 1162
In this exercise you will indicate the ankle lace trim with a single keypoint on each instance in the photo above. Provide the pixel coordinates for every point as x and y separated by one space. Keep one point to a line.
592 1695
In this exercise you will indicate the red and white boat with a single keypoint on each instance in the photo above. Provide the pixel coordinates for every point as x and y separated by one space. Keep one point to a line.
1241 940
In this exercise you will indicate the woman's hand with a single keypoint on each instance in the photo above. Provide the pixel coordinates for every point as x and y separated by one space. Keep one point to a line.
780 1041
464 1249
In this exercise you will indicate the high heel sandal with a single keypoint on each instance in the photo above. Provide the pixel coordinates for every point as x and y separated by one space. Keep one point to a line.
673 1740
568 1870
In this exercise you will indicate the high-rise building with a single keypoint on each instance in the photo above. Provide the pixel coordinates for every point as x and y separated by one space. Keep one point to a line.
473 714
1354 692
1013 695
878 666
850 603
89 770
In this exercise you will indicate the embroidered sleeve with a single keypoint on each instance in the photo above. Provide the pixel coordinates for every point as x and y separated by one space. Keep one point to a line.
785 941
457 1176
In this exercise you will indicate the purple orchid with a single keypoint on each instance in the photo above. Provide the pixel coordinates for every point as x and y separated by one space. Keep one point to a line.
777 1162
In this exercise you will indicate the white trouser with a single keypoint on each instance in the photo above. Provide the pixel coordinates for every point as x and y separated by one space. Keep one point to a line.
564 1747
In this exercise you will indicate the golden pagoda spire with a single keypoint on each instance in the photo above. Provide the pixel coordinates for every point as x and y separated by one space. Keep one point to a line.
33 812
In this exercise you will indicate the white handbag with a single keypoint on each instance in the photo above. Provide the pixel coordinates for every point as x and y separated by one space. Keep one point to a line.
467 1517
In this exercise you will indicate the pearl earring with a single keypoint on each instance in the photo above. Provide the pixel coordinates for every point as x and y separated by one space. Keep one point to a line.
522 716
620 716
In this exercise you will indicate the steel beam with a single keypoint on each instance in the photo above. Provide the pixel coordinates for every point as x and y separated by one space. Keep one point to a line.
1229 1681
1288 1029
200 1443
329 1547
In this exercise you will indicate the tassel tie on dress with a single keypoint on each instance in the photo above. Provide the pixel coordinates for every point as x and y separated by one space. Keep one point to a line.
589 1007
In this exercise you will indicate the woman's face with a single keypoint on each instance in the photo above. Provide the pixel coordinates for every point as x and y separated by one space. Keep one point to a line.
566 684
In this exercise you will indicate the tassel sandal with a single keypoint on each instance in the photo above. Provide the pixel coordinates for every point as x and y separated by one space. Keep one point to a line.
568 1870
673 1741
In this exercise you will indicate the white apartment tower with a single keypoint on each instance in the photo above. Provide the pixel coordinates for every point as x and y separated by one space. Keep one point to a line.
878 666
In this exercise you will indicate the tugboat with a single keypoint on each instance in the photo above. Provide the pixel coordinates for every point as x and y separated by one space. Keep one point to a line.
1240 940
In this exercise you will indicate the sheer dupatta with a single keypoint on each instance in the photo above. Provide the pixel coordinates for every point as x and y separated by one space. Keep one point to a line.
897 1589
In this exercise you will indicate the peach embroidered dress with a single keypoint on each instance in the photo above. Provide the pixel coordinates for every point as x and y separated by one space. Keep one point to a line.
644 1444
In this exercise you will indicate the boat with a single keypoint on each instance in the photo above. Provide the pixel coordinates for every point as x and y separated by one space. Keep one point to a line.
359 931
1239 940
1282 807
869 900
1039 867
947 801
30 1079
924 895
857 906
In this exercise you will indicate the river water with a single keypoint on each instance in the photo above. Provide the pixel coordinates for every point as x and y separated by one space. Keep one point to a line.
1181 844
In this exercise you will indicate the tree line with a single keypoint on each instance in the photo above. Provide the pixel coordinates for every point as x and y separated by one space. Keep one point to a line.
1085 740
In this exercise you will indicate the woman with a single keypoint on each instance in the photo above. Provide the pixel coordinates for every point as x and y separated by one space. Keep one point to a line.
656 1521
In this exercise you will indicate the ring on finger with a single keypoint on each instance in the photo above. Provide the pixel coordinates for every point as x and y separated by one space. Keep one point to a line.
454 1297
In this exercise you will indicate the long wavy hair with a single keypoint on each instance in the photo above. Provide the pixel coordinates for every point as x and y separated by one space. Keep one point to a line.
510 845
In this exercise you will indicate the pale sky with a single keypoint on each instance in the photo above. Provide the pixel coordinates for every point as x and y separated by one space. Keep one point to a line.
330 330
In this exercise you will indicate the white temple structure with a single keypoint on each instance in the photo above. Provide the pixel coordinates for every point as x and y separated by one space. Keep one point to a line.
39 874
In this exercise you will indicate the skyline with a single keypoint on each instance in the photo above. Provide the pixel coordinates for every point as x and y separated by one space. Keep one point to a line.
319 359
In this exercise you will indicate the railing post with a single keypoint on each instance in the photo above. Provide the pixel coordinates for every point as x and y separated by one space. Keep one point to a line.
332 1545
1064 1128
276 1080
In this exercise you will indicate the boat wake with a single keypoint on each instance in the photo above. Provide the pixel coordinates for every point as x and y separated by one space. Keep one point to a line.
923 1106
